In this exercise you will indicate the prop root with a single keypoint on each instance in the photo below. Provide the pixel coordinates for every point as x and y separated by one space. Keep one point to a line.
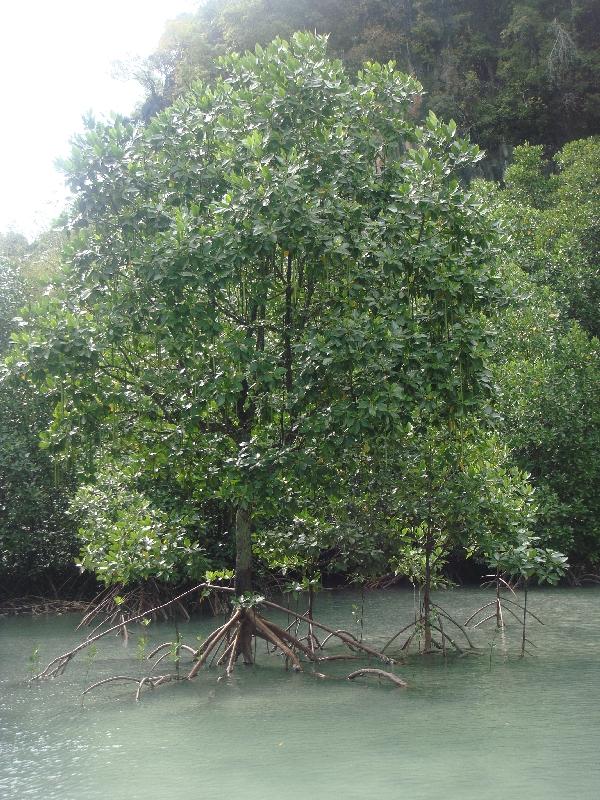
380 674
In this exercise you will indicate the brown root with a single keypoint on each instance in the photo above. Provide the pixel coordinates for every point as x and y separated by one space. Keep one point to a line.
396 635
526 610
234 652
270 635
380 673
58 665
236 636
210 643
448 638
447 616
347 638
147 680
337 633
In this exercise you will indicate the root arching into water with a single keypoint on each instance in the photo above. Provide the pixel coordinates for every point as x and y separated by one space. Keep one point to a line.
236 639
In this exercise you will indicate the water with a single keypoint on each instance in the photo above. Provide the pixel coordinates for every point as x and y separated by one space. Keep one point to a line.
476 727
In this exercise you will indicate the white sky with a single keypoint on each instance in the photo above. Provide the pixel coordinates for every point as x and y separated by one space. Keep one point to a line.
56 59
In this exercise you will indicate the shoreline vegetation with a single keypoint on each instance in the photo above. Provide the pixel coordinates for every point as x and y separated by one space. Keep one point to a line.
80 599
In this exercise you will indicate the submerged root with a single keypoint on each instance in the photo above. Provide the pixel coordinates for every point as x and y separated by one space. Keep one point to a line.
380 673
152 681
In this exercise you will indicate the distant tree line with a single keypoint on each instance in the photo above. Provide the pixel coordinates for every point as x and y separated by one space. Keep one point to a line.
507 71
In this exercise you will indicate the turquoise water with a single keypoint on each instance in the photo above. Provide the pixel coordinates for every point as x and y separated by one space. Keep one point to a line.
485 726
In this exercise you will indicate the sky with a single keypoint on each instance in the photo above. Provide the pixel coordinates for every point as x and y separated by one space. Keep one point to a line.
56 64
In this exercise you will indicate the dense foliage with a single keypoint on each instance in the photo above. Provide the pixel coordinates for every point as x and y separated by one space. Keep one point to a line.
267 340
277 271
547 363
35 534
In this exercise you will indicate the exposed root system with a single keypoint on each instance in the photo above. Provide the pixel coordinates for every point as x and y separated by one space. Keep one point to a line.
150 681
151 599
437 616
234 639
58 665
500 605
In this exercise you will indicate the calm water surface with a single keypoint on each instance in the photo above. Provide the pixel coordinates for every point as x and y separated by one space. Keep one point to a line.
487 726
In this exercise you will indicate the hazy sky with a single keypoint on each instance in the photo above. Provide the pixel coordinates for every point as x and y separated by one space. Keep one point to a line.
56 60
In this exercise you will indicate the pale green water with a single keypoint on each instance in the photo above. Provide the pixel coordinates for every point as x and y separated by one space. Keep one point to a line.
529 728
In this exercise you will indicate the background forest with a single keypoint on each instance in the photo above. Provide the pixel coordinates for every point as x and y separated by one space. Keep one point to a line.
121 435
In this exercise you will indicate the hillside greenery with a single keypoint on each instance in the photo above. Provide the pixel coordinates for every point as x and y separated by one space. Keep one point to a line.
507 71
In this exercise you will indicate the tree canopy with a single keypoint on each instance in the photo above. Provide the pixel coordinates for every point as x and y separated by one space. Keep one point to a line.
281 269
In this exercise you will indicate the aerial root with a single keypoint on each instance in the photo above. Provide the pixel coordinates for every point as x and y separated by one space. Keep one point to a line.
526 610
380 673
147 680
500 605
211 642
461 628
396 635
235 636
485 619
310 638
479 610
347 638
234 652
271 636
227 651
244 624
439 615
57 665
445 636
336 633
170 646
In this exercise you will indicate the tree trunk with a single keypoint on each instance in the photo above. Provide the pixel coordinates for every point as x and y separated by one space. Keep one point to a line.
243 583
499 620
427 645
524 639
243 551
